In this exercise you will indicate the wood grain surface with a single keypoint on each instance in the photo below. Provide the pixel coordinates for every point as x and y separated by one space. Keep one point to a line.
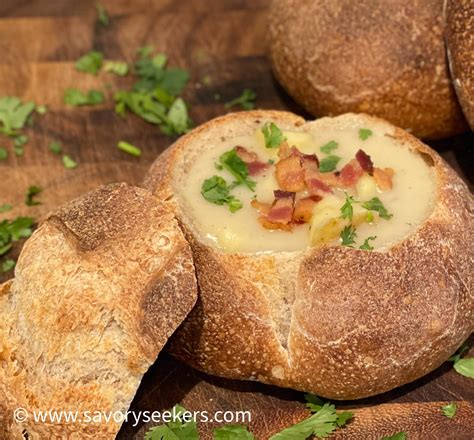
223 40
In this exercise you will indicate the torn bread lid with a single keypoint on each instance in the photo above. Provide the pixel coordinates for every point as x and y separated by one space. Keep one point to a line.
99 289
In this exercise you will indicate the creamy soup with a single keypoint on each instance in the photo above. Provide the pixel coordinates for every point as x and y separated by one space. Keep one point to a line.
405 205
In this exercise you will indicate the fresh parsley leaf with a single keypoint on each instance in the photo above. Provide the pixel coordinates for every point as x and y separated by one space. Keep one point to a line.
449 410
20 141
177 429
321 424
313 402
30 194
91 62
76 98
246 100
120 68
398 436
69 162
19 151
233 432
216 190
7 265
348 235
231 161
55 147
461 350
5 207
343 417
41 109
366 245
14 230
102 16
273 135
327 148
375 204
465 366
3 153
365 133
347 211
14 114
177 118
328 163
145 51
129 148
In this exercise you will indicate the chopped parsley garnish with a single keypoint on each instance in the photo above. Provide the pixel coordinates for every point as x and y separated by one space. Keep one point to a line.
145 51
18 150
347 211
102 16
233 432
246 100
14 230
14 114
273 135
7 265
76 98
231 161
91 62
3 153
30 194
375 204
464 366
348 235
322 423
176 429
328 163
216 190
449 410
366 245
55 147
6 207
120 68
327 148
41 109
129 148
365 133
69 162
398 436
20 141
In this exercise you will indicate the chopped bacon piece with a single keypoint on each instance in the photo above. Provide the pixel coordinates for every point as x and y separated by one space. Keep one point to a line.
269 225
383 178
254 165
282 207
350 174
365 161
316 186
304 209
290 174
310 162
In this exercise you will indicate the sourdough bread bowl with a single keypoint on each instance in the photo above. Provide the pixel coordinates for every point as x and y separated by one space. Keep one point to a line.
460 44
289 305
98 290
387 59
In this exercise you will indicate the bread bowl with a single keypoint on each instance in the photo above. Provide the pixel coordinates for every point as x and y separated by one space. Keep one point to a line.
460 47
98 289
387 59
338 321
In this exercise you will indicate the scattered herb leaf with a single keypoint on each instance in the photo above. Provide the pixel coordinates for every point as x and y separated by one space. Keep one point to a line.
347 211
273 135
327 148
91 62
69 162
231 161
76 98
366 246
7 265
465 367
177 429
365 133
145 51
120 68
41 109
19 151
14 114
449 410
246 100
398 436
3 153
216 190
375 204
233 432
6 207
102 16
30 194
56 147
20 141
14 230
461 350
129 148
328 163
348 235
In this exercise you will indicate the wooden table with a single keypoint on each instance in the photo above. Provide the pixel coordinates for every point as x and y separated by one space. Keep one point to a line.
224 42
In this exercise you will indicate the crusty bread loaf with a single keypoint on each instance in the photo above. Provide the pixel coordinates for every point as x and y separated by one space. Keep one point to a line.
336 321
384 58
460 42
98 290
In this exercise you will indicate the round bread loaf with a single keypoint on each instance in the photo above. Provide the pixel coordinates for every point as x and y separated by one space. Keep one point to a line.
387 59
338 321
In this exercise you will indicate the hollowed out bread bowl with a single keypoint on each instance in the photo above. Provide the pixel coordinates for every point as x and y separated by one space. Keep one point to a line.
460 44
387 59
98 289
338 321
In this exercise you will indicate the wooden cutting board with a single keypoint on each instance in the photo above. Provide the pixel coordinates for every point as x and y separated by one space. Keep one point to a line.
222 44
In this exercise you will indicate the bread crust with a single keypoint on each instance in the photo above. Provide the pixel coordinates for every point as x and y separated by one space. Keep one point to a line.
339 322
98 290
460 44
383 58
